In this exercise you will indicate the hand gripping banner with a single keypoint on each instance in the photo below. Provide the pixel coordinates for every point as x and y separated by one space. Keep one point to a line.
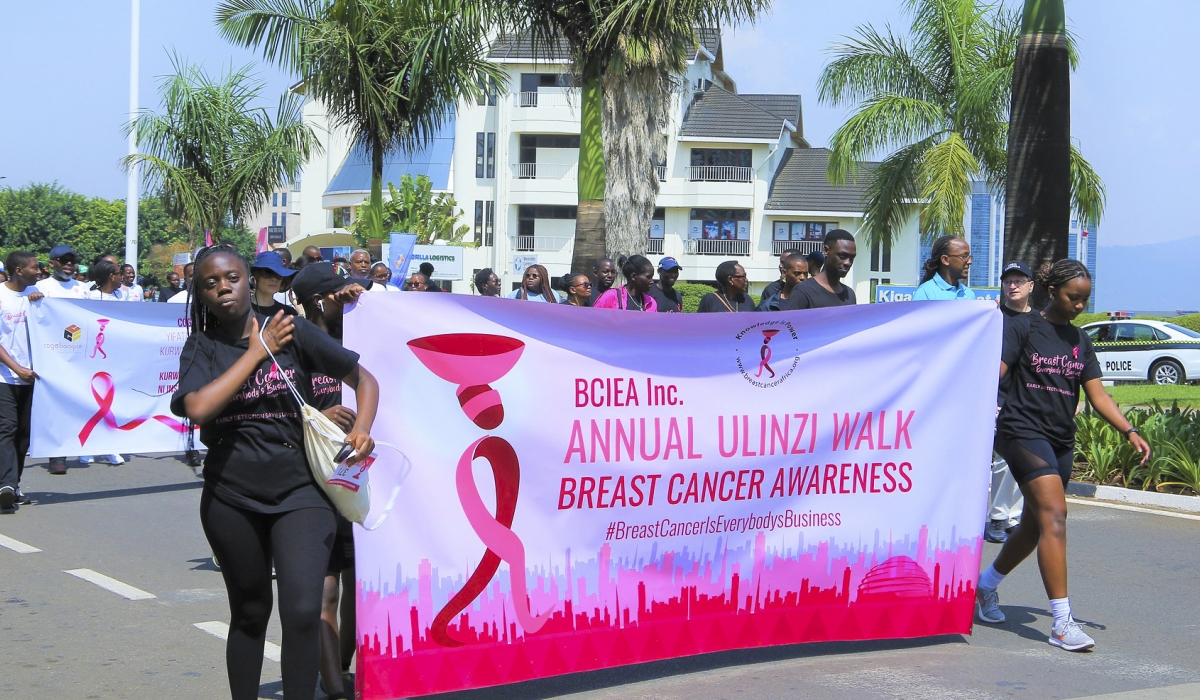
592 488
106 372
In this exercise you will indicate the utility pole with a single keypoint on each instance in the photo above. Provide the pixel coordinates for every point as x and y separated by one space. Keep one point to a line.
131 192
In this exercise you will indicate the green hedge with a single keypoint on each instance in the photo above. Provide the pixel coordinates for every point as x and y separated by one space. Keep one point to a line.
1173 432
1191 321
692 294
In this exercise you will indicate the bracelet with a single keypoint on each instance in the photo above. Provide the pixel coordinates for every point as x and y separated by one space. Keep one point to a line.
1132 430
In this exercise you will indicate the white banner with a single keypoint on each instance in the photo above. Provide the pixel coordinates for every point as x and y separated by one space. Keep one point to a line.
106 372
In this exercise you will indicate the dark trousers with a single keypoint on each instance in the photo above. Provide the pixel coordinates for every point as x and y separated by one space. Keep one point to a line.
246 543
15 403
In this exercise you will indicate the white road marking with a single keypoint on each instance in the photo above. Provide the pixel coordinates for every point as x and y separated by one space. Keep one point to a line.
1170 692
220 630
111 584
17 546
1136 509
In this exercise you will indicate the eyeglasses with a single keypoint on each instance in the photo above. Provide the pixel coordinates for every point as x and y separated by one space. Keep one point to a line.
737 277
584 284
1017 282
963 256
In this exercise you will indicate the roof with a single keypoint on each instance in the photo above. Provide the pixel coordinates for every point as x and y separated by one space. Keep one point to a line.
801 185
509 47
710 39
718 113
433 161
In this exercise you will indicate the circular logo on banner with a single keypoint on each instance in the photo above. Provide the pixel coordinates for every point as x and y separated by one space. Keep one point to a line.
767 353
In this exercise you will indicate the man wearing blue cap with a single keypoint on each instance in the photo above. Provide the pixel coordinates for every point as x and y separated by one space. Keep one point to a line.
62 283
663 291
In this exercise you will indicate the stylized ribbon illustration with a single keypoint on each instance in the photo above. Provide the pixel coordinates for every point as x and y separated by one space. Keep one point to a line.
99 346
765 352
495 531
104 391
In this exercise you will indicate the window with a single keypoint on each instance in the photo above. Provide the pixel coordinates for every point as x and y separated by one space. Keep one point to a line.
283 199
1185 331
720 224
881 257
535 141
478 219
1101 333
721 165
658 224
1134 333
479 153
283 221
489 220
487 94
274 199
531 212
342 217
274 219
739 157
491 154
805 231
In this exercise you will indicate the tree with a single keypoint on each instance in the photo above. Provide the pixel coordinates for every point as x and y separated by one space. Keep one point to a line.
625 54
389 71
939 102
215 158
1038 193
415 208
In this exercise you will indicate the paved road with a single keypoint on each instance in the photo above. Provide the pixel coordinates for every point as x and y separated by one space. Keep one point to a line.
1136 583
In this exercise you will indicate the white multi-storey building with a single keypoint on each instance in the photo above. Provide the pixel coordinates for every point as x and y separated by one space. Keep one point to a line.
739 181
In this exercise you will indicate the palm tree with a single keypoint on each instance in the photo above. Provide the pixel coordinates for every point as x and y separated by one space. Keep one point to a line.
939 102
215 157
388 71
624 54
1038 192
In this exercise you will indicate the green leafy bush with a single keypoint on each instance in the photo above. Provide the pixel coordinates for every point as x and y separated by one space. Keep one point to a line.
1174 437
1084 319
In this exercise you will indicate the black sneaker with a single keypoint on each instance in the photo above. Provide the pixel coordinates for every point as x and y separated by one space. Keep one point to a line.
8 499
58 465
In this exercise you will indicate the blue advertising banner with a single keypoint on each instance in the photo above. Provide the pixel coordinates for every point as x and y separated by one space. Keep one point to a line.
400 255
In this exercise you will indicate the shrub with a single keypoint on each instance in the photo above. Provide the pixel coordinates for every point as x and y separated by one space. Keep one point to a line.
1084 319
1174 437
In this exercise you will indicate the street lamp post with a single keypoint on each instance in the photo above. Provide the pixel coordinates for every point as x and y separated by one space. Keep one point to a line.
131 192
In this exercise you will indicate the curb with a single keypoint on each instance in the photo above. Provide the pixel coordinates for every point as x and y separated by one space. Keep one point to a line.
1117 494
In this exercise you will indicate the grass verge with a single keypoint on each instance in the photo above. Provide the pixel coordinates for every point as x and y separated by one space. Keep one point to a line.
1188 395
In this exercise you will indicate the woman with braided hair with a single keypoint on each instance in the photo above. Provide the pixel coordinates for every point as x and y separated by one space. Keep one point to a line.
1050 361
260 503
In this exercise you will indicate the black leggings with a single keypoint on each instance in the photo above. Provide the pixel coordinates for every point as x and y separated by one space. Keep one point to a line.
246 543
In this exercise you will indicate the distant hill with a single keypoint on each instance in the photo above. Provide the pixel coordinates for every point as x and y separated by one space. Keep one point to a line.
1156 276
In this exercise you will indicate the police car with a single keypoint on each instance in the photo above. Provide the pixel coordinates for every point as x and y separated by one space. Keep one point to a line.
1143 350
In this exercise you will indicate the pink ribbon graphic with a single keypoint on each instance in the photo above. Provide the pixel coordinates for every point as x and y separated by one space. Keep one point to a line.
765 352
502 543
104 396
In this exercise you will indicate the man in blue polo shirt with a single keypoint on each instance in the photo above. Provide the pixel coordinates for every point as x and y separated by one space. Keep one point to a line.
946 271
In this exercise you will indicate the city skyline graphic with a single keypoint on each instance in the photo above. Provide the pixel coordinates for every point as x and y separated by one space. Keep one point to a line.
652 603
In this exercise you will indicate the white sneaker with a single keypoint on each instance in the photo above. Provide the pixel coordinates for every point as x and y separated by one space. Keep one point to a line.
114 459
1070 636
987 606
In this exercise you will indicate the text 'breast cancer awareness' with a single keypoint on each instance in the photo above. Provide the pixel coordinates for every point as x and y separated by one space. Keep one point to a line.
104 391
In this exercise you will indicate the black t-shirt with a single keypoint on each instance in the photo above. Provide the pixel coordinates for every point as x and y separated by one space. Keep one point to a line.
255 445
668 301
274 308
809 294
327 390
596 292
1048 363
716 302
167 292
1010 316
772 289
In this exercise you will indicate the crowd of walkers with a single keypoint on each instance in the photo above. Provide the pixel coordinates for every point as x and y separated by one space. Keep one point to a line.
264 515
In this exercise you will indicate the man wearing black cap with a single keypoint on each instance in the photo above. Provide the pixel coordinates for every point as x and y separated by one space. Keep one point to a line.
62 284
668 299
1005 504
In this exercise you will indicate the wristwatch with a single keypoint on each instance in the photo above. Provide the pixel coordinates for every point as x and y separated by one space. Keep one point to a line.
1132 430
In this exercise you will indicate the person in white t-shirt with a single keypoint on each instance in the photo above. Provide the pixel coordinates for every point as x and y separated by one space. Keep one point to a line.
133 291
16 373
106 278
62 283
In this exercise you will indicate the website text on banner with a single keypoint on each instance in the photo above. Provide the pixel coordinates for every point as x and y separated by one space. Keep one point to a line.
597 489
106 371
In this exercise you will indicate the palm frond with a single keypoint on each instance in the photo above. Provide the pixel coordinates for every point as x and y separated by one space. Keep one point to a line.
1088 196
277 27
946 173
869 64
892 196
883 122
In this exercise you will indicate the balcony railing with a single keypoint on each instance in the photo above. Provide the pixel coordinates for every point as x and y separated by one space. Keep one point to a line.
543 171
654 246
662 172
549 98
805 247
719 173
706 246
540 244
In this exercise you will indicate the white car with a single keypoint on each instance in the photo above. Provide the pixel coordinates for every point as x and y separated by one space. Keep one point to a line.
1143 350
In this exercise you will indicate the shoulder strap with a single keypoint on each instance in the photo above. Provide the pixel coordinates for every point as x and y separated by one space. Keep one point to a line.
275 364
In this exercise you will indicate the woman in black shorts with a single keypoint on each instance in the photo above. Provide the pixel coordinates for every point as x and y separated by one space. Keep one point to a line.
1050 361
260 503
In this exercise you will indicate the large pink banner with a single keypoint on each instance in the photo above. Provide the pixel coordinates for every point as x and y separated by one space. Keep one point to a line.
593 488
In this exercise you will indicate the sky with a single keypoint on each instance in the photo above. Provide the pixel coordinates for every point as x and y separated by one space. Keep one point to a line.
1135 105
